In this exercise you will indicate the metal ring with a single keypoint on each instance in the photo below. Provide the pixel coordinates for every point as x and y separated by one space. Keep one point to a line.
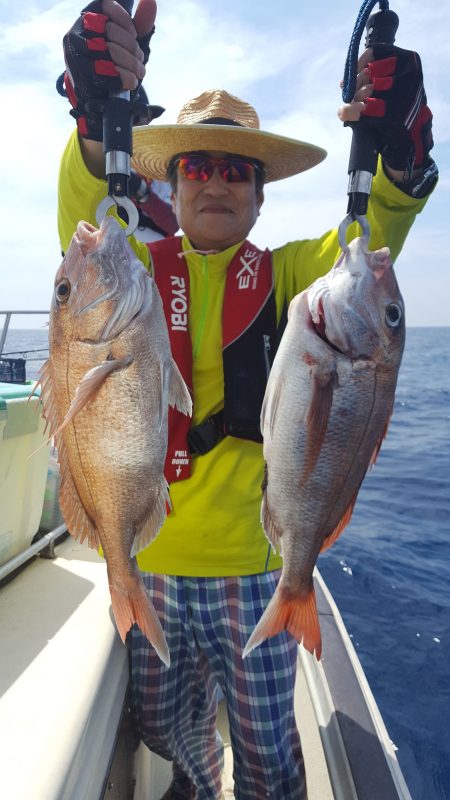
121 202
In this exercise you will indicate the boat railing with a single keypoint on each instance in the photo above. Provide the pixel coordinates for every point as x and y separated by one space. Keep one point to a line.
7 315
46 542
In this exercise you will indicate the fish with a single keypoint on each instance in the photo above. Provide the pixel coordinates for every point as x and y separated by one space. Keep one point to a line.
105 389
325 413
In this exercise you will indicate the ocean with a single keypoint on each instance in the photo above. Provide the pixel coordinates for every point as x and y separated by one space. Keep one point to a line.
390 570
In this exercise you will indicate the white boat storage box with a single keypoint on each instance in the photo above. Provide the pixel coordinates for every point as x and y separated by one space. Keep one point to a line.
22 478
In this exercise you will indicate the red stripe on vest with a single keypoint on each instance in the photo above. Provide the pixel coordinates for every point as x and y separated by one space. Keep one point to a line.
249 283
247 289
172 279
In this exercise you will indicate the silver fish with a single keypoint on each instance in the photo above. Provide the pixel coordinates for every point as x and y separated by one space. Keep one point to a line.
327 407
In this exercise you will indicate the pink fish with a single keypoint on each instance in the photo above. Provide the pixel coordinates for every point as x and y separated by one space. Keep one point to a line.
327 407
106 388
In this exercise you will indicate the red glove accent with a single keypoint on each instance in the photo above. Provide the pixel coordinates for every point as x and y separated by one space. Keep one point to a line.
105 68
423 121
382 84
374 107
94 23
97 44
383 67
91 74
398 109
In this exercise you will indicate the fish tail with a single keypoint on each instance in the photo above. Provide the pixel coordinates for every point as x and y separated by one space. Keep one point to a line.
297 615
134 606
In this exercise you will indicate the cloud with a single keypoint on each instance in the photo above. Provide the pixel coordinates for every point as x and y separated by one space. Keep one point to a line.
30 45
202 42
287 60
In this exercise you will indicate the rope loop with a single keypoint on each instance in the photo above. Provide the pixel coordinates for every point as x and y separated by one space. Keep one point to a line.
349 81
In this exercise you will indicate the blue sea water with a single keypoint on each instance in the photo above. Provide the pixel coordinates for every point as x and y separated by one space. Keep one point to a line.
390 570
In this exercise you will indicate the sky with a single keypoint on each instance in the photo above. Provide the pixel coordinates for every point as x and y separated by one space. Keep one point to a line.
285 58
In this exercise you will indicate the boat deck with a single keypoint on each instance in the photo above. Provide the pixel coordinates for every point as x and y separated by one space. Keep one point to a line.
63 689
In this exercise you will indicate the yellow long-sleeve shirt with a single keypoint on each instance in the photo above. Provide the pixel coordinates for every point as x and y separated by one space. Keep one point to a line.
214 529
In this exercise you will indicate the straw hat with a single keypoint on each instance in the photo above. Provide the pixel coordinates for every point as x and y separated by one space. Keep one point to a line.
219 121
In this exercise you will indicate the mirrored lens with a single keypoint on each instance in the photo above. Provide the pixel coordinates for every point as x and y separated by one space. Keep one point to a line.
231 170
195 169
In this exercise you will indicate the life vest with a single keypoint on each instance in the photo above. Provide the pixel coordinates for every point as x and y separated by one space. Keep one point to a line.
250 340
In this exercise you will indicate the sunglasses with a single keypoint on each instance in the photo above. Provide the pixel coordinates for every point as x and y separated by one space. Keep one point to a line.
231 169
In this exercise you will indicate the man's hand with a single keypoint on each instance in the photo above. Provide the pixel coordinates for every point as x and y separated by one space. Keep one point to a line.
127 39
105 50
390 98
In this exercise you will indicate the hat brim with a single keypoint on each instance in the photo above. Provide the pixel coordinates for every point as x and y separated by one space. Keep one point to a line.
155 145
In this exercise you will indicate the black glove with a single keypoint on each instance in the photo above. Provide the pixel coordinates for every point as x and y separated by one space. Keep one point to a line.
90 73
398 108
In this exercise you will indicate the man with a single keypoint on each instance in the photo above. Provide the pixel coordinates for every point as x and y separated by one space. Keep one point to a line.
210 571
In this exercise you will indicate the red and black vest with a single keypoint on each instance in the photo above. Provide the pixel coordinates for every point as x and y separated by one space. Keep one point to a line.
250 340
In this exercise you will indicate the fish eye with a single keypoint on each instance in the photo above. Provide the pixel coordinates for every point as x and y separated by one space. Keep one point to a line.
62 291
393 315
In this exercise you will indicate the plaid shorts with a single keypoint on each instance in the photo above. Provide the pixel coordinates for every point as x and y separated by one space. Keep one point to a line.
207 622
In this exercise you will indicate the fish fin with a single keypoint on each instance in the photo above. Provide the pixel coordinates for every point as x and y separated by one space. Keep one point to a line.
90 385
49 411
297 615
75 515
46 404
162 398
317 418
273 534
178 391
134 606
270 407
377 447
342 524
151 527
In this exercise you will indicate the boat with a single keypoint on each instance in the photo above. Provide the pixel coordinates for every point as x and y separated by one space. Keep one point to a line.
66 729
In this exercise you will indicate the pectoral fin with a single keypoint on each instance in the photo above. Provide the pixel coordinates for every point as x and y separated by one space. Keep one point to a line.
173 390
178 392
377 448
90 385
342 524
272 531
318 416
270 407
151 527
